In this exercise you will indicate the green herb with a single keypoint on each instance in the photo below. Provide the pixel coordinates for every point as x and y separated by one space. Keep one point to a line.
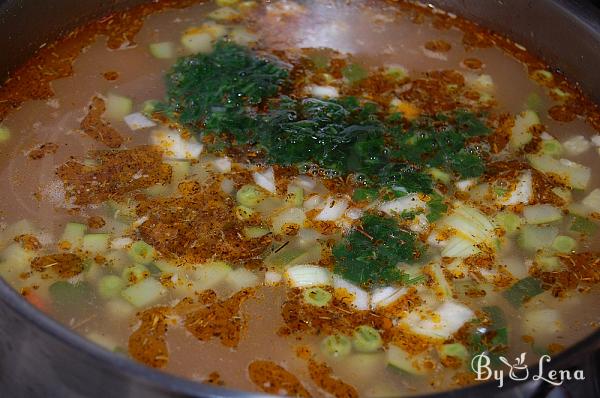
368 194
437 207
68 294
214 90
583 226
491 338
354 73
523 290
369 255
442 142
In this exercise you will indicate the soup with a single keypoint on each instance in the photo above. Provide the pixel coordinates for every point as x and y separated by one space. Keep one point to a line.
320 198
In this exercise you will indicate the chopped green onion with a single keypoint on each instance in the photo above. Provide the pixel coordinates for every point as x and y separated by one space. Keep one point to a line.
141 252
368 194
250 195
366 339
523 290
317 296
336 346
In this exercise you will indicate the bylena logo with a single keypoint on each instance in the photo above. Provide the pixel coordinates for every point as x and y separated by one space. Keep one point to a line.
520 371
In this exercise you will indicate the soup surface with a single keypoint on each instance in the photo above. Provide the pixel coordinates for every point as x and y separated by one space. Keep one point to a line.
328 198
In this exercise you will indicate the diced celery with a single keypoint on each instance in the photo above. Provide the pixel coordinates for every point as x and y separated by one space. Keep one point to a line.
509 221
141 252
551 147
293 254
541 214
118 106
96 243
166 266
583 225
317 296
250 195
119 308
110 286
439 175
243 213
454 350
144 293
149 106
163 50
179 170
73 235
255 232
366 339
241 278
520 133
563 193
293 216
210 275
397 72
295 196
573 174
336 346
564 244
135 273
4 134
123 211
117 259
401 360
548 263
534 102
533 237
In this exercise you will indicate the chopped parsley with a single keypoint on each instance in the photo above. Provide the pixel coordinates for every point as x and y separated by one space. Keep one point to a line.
369 255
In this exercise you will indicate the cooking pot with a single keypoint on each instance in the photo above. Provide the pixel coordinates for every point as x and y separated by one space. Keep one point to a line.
41 358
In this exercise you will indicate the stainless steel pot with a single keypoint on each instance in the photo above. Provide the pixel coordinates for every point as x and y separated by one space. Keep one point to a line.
41 358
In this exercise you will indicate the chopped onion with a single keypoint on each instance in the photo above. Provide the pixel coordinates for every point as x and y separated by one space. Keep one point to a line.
137 121
313 202
419 223
291 216
459 247
227 186
334 209
464 185
471 224
175 146
163 50
360 297
117 106
265 179
354 213
405 203
273 277
241 278
541 214
576 145
242 36
121 243
542 322
307 275
445 320
574 174
323 91
523 192
520 133
592 200
222 165
384 296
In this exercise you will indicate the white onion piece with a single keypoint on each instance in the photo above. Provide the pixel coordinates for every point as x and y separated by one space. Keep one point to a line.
291 216
323 91
273 277
306 275
446 320
313 202
592 200
405 203
464 185
265 179
175 146
354 213
384 296
137 121
361 297
333 209
121 243
523 192
227 186
222 165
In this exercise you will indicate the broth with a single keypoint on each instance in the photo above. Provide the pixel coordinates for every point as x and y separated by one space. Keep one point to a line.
193 258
